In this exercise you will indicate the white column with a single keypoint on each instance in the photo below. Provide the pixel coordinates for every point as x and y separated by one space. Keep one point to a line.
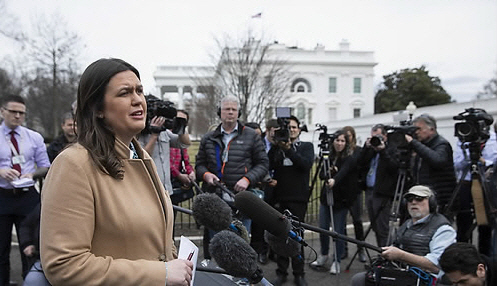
181 105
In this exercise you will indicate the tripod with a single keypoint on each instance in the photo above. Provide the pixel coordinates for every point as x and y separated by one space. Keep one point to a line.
482 211
326 166
393 225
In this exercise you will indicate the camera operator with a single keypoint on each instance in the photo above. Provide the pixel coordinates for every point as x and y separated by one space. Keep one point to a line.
421 239
464 217
433 165
157 140
291 162
379 175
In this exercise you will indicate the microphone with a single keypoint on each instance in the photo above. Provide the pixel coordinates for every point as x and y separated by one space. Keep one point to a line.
212 212
235 255
282 246
266 216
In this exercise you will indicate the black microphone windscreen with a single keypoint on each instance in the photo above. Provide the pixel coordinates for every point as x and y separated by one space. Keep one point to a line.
282 246
263 214
233 254
211 211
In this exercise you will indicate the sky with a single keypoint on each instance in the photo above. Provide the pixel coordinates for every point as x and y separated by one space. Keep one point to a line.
455 39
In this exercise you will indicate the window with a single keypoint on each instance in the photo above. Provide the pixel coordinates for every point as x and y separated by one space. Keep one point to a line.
332 113
309 115
332 85
357 112
357 85
301 111
300 85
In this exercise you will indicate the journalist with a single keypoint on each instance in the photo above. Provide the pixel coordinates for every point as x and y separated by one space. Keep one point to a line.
290 161
157 139
341 190
487 152
231 154
463 265
379 174
433 163
420 240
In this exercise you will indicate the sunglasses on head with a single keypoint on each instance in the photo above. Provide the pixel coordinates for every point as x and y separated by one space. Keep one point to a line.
416 198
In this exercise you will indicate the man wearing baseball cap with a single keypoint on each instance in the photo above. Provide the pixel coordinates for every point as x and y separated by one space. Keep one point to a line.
422 238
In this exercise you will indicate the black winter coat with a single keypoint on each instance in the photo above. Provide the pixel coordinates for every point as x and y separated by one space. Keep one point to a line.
434 167
346 187
293 181
246 157
386 171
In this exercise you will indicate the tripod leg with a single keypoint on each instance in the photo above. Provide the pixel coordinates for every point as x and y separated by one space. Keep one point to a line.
377 214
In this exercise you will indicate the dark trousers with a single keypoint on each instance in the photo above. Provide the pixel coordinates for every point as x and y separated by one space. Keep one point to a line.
464 221
13 209
356 213
298 209
379 215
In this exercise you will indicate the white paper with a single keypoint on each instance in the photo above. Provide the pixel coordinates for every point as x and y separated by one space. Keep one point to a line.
188 251
23 183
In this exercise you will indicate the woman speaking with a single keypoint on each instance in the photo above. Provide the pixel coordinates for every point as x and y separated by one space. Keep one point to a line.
106 218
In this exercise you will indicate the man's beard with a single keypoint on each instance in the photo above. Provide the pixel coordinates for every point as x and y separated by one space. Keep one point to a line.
416 214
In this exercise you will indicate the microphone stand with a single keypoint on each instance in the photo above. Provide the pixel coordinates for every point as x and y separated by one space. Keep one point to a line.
335 235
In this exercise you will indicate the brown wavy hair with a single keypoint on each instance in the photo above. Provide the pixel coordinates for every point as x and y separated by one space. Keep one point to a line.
93 134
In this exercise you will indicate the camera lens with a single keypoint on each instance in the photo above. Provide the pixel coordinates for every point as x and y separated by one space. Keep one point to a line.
375 141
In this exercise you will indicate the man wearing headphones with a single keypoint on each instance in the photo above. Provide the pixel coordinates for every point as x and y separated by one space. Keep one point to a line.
231 154
421 239
433 165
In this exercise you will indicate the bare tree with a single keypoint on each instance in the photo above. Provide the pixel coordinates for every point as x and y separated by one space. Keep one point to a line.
52 75
249 69
489 89
9 24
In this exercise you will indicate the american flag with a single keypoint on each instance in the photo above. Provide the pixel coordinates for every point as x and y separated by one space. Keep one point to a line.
258 15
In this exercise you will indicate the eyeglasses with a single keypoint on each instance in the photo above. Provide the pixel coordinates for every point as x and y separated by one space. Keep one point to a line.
14 112
415 198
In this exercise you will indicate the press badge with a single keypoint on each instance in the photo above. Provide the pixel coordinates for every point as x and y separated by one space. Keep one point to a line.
287 162
19 159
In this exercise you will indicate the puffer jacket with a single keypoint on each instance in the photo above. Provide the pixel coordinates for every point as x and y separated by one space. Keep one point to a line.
246 157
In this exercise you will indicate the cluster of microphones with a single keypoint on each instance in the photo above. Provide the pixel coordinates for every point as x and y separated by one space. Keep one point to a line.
230 246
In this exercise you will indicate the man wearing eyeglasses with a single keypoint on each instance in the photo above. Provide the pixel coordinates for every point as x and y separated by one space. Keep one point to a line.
422 238
23 156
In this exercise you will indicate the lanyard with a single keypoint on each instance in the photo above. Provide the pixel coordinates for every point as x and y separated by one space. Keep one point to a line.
14 151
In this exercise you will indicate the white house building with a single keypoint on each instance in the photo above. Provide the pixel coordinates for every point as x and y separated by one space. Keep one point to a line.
326 85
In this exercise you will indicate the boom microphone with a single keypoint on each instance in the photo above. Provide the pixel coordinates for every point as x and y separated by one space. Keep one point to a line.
235 255
266 216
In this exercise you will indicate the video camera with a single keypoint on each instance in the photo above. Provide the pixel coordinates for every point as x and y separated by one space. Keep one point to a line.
283 116
396 134
326 139
163 108
475 127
